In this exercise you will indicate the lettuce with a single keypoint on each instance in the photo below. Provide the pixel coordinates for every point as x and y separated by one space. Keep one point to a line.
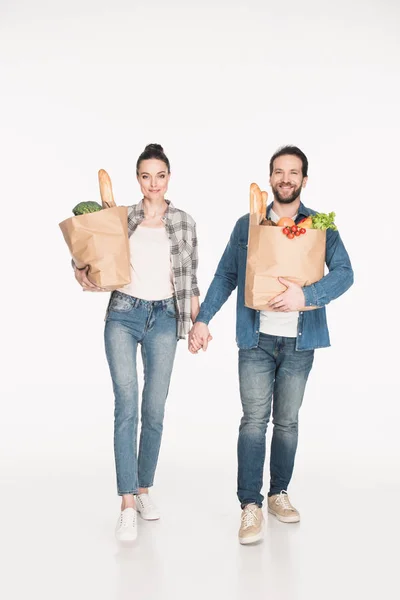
324 221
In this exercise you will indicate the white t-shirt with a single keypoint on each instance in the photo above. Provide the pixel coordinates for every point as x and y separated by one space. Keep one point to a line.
151 271
282 324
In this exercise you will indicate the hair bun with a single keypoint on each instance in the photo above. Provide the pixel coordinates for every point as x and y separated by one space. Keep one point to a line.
153 151
155 147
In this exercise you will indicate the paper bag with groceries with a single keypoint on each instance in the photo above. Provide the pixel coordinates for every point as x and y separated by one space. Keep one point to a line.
97 237
278 251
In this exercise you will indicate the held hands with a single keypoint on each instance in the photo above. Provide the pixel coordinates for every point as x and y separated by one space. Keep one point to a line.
289 300
199 336
81 275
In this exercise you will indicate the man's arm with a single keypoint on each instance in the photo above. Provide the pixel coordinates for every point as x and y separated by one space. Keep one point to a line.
331 286
339 278
223 284
224 281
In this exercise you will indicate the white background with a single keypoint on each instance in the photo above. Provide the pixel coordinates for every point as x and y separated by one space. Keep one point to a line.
86 85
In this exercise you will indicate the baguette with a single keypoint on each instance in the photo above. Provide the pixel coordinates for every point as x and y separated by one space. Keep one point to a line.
106 193
258 202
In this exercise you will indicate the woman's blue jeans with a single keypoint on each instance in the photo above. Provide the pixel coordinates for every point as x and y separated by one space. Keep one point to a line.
131 321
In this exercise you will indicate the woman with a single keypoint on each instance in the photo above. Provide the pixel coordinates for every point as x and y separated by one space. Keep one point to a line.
154 310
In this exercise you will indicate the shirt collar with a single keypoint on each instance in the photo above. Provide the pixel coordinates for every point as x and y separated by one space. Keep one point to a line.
138 212
302 212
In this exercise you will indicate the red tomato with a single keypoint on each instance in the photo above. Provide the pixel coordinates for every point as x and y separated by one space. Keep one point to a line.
302 230
286 230
294 228
297 233
290 236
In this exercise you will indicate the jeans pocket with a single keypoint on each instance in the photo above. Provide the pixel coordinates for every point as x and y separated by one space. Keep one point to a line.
121 303
170 309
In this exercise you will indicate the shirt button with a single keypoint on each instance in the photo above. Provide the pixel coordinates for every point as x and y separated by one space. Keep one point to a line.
300 333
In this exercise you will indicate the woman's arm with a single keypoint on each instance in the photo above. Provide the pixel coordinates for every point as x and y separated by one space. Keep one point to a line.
194 308
81 275
195 262
194 304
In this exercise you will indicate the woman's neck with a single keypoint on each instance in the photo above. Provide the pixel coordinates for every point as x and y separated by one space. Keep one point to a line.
154 208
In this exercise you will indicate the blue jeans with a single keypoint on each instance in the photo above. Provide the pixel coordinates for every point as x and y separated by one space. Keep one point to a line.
273 370
153 325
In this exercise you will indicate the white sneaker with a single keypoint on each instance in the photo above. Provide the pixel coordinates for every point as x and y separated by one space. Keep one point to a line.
146 508
126 529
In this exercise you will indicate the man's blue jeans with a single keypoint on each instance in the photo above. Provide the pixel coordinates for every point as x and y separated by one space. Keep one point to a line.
130 322
273 374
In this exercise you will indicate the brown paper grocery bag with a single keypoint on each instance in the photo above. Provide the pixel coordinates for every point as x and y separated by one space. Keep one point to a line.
100 240
270 255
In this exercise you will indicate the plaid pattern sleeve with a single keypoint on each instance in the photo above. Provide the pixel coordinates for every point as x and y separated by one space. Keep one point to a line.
195 263
181 230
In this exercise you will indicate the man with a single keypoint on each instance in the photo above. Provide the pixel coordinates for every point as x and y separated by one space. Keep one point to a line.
276 348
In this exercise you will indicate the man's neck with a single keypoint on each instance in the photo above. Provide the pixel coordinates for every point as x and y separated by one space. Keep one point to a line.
286 210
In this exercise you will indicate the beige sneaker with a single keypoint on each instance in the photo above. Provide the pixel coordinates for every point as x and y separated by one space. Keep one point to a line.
279 505
252 524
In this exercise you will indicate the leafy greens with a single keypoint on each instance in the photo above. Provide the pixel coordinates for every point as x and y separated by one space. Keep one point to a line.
324 221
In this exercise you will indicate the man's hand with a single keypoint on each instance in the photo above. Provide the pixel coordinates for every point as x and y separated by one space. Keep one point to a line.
291 299
199 336
81 275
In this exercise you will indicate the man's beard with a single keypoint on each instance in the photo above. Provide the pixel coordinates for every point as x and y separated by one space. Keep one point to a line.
288 199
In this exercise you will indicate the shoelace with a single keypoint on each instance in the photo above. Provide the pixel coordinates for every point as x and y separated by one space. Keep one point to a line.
145 502
128 518
249 517
283 500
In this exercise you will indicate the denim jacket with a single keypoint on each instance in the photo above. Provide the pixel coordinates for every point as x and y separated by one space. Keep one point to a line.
312 329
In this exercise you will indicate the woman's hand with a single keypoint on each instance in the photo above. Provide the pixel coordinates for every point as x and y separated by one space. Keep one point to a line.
81 275
199 337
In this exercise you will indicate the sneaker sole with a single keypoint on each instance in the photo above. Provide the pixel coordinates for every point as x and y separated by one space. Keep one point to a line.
284 519
125 539
254 538
148 518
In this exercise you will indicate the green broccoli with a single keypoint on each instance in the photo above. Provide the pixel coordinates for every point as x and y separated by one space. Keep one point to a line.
86 207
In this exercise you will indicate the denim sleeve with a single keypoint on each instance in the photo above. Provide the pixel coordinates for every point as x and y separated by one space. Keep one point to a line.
224 282
195 263
339 278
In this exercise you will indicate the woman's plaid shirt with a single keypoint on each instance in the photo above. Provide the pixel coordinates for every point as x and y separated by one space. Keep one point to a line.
181 230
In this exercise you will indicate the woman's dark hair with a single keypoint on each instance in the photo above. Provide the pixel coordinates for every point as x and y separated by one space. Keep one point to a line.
153 151
293 150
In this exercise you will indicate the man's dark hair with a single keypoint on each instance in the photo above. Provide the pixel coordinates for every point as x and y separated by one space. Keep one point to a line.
294 151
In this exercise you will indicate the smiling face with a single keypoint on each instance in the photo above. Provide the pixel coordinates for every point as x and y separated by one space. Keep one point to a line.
153 178
287 179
